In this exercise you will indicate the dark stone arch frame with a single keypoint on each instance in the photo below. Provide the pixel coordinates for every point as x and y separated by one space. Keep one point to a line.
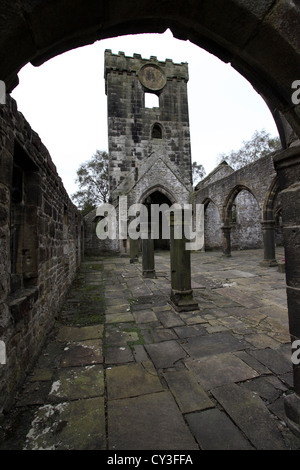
272 193
264 49
159 188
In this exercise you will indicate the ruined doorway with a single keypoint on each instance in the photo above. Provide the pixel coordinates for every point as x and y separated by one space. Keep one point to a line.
161 200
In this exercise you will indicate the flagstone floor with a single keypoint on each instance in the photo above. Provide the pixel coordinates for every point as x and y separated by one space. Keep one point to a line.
122 370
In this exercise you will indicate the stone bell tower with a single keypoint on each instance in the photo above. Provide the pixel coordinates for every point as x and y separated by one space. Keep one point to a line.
149 147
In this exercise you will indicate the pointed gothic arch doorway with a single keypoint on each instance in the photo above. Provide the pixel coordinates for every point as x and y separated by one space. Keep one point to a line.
162 202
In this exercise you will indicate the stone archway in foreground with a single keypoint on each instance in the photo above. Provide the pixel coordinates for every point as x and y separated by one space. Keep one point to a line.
259 39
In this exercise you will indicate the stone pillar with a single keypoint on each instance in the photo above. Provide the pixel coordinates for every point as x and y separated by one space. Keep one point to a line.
180 260
226 242
268 229
287 165
134 250
148 257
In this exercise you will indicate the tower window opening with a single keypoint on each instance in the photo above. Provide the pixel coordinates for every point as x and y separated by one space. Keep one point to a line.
151 100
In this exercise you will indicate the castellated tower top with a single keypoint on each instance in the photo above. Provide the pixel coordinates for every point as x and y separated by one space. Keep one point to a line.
143 135
120 63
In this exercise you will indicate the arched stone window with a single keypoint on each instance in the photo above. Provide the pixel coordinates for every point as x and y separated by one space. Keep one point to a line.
156 131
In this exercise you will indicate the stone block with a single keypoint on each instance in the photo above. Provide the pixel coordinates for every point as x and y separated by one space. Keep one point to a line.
217 370
157 422
250 414
213 344
165 354
82 353
72 425
77 383
188 393
214 430
130 380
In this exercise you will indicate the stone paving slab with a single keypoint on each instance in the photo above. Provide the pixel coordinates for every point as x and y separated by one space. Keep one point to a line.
116 337
69 333
214 430
82 353
165 354
122 317
272 359
169 319
217 370
264 387
212 344
188 393
69 425
232 274
213 378
261 341
241 298
77 383
131 380
251 415
144 316
156 421
189 331
162 334
118 355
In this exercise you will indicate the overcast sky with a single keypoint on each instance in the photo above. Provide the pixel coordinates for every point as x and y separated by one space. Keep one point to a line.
64 101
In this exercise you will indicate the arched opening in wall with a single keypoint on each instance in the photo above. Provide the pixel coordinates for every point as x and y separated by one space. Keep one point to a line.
158 203
212 227
151 100
246 232
156 132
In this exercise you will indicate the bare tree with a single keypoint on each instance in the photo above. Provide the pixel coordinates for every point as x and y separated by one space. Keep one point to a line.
198 172
257 147
93 181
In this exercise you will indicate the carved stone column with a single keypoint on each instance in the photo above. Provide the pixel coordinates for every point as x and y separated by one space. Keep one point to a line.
226 242
148 263
134 251
287 165
180 260
268 229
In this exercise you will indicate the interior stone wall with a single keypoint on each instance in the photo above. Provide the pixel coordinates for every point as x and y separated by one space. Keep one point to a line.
246 230
41 243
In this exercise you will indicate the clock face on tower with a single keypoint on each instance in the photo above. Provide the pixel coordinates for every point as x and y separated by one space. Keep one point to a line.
152 77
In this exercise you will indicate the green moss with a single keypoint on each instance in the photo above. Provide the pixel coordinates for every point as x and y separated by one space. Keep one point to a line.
85 303
135 329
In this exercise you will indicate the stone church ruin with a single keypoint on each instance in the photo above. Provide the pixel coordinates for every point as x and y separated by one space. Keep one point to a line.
42 238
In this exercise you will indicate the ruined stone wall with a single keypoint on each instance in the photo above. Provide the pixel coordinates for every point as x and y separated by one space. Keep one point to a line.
93 246
212 228
239 197
246 229
40 245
